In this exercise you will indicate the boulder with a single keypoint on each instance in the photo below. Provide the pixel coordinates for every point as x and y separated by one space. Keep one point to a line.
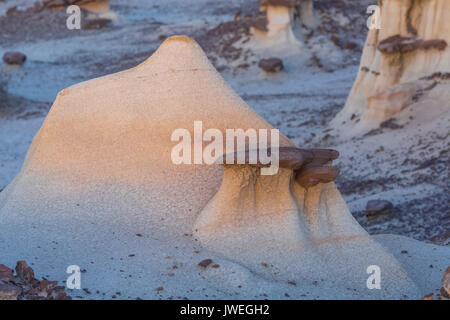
271 65
378 207
9 291
205 263
6 274
14 58
5 269
11 11
24 272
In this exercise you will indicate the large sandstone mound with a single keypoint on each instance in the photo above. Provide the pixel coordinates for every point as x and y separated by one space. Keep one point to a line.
98 188
114 134
405 63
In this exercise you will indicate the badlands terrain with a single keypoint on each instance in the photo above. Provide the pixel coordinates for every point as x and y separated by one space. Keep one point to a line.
318 100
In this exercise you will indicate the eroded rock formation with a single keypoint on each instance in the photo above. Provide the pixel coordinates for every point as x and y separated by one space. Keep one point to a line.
398 64
93 5
99 171
116 130
96 13
281 19
296 222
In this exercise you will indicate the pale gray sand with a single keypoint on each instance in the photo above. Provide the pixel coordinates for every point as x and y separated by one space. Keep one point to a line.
172 264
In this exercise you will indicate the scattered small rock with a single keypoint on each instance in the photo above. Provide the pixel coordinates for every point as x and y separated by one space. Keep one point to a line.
6 274
87 291
24 272
14 58
442 239
350 46
315 61
37 7
24 286
390 124
378 207
95 23
205 263
271 65
11 11
47 286
62 296
428 297
9 291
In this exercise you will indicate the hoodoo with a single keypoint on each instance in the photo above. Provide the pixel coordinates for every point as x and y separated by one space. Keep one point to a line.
405 64
297 223
99 173
282 18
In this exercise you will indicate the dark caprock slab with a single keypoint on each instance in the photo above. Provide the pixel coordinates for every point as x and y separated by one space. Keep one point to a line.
311 166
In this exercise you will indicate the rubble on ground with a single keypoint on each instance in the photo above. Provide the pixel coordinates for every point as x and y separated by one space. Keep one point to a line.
23 285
